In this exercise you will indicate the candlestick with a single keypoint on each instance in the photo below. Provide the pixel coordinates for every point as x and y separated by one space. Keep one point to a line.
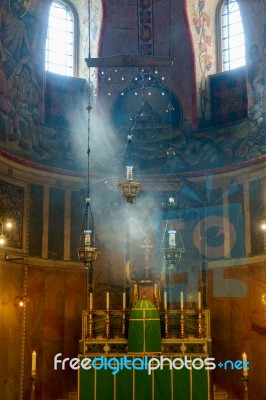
124 300
200 330
90 324
91 301
181 300
107 301
165 300
166 334
124 323
107 324
245 369
199 300
245 381
182 324
33 363
33 380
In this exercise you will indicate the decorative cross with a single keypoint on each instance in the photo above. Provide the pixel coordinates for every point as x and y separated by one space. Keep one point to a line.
147 246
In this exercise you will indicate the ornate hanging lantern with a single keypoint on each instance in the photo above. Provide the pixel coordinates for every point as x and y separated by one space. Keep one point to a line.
87 252
129 188
171 250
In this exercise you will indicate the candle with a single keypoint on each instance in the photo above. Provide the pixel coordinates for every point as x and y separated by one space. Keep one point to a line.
165 300
199 300
91 301
124 301
172 239
245 363
33 363
129 173
181 300
107 301
87 238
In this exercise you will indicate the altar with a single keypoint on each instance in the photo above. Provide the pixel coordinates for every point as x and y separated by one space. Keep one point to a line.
122 368
148 350
141 384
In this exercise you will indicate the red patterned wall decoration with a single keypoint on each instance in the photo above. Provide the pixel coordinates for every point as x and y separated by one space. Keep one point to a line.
228 96
145 9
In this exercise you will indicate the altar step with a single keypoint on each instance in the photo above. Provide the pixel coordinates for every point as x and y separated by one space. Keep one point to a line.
217 395
220 396
71 396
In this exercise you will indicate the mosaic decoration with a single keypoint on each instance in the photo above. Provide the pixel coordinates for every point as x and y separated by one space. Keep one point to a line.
228 96
145 27
18 7
256 82
56 143
11 206
155 114
64 99
201 21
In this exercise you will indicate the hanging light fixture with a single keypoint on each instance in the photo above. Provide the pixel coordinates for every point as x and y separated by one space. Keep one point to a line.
87 252
129 188
172 246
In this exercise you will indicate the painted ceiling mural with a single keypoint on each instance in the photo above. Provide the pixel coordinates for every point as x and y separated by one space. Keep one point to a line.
32 106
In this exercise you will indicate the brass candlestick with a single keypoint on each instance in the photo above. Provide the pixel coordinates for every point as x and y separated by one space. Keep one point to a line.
199 321
123 323
33 379
107 324
245 381
182 323
90 324
166 333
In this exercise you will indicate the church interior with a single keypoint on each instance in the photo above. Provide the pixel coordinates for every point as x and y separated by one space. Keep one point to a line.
132 199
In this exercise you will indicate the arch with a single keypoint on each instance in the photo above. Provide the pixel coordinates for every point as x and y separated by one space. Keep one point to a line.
231 36
61 40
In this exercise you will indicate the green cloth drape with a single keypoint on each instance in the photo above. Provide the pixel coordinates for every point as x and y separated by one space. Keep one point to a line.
144 331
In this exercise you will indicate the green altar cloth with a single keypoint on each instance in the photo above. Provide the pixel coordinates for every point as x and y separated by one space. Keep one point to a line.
105 383
144 331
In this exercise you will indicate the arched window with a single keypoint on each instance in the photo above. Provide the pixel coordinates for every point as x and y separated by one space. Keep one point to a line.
60 49
232 48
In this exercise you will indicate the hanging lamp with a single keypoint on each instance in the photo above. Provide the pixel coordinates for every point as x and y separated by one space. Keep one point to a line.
87 252
129 188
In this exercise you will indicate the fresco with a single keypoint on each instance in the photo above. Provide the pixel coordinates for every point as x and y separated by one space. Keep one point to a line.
153 114
143 108
201 22
28 129
32 132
